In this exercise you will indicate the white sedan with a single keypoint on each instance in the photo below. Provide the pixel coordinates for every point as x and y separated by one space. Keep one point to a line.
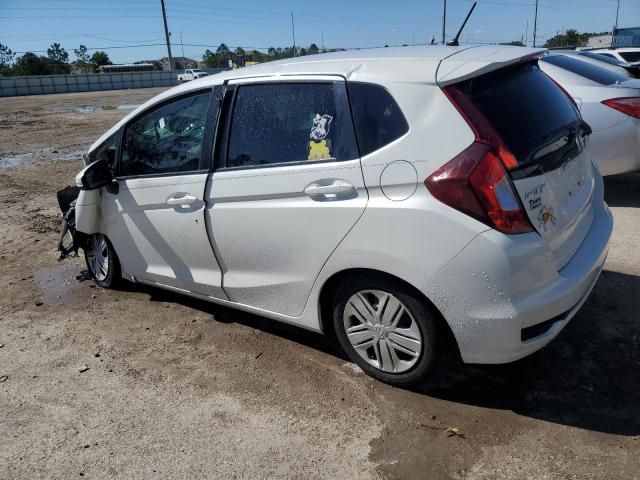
609 101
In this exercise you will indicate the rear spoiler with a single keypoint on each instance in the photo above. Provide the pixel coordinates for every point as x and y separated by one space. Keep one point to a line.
477 61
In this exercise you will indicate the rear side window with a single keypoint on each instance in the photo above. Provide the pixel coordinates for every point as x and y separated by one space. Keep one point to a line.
594 73
524 105
377 117
290 122
630 56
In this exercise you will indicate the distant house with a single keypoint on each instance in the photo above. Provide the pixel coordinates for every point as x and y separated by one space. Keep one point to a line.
179 63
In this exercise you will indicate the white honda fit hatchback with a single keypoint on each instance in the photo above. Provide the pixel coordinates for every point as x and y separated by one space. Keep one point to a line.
389 197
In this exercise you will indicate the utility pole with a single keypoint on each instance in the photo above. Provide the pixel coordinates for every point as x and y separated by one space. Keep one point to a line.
166 34
535 25
293 31
615 27
182 45
444 22
322 42
526 33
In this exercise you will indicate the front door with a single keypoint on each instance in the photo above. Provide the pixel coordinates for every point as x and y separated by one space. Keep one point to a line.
156 220
287 189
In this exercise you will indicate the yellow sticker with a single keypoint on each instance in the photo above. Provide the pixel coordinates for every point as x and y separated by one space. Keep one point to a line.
319 150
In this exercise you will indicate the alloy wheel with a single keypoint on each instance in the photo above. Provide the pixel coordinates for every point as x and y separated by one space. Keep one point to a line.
382 331
98 257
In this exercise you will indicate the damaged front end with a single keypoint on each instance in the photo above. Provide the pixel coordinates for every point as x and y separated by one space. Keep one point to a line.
69 242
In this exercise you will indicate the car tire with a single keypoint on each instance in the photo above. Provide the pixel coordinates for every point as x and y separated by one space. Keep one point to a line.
386 329
102 262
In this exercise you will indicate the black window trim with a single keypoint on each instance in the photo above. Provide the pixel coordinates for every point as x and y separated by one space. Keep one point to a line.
228 106
205 162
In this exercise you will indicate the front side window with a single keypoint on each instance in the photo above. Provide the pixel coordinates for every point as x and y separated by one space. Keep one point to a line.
290 122
166 140
106 151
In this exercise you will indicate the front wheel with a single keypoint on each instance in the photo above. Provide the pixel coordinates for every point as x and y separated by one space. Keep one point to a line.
102 261
385 329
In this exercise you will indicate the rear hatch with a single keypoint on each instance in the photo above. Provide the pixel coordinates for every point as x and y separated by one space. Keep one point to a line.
543 142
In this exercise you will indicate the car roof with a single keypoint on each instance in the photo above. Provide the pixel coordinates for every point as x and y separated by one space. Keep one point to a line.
379 65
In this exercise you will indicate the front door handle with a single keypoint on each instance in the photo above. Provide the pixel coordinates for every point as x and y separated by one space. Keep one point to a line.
181 199
334 190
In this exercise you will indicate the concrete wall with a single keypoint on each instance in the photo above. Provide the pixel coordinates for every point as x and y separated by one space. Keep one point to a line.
44 84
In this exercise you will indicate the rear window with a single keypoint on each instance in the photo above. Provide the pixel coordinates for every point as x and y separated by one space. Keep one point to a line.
377 117
630 56
602 57
594 73
524 105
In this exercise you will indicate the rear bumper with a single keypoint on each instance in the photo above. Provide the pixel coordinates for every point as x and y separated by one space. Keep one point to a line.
498 292
617 149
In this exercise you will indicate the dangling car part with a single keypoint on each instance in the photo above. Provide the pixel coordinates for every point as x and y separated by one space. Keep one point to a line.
68 244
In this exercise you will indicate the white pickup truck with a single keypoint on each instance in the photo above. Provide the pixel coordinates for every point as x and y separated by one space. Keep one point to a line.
191 74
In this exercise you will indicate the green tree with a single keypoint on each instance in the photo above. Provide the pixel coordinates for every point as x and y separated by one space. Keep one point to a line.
100 58
209 59
58 58
83 60
58 54
6 60
32 64
313 49
223 55
570 38
514 43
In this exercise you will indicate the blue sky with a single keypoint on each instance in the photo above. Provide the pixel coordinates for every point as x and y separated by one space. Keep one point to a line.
32 25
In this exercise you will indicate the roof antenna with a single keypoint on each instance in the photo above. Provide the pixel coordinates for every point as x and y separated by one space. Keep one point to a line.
454 42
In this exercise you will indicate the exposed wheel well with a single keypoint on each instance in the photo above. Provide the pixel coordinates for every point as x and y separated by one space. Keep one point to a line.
330 286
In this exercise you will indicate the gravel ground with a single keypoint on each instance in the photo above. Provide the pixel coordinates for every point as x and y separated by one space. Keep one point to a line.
181 389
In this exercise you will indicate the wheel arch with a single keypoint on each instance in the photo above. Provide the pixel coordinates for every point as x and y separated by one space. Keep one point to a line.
329 287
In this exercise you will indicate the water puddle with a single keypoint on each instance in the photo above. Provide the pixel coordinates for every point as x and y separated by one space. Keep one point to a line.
24 159
100 108
14 161
57 284
87 109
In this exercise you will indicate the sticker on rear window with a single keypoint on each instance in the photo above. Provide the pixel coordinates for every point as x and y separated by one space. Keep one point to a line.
320 128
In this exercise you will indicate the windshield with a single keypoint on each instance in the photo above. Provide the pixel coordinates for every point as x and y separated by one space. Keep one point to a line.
603 76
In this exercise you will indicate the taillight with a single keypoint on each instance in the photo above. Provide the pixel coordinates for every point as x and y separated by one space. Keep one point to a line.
476 182
627 105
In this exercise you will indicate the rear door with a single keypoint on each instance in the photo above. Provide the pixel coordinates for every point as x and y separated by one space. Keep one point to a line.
552 169
287 188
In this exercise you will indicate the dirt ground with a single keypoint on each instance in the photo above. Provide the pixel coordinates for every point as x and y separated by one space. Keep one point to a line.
181 389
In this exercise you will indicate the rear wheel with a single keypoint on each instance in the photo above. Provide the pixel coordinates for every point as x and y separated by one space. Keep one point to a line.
102 261
386 329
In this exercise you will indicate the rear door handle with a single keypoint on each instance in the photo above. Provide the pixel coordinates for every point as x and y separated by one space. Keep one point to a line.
182 199
334 190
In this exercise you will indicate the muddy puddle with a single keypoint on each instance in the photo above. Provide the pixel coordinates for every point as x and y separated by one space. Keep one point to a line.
58 284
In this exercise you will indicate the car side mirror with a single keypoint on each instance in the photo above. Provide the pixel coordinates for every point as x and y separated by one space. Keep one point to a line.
97 175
